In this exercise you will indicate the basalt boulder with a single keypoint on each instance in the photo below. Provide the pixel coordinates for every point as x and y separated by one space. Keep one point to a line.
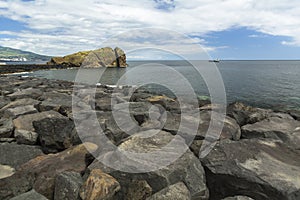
186 168
260 169
285 130
40 173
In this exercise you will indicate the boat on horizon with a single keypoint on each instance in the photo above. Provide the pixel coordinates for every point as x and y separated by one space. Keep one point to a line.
2 63
216 61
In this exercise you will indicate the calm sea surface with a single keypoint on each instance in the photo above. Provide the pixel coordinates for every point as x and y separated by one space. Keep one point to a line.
258 83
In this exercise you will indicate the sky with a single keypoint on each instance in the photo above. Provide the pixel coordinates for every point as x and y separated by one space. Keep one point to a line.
224 29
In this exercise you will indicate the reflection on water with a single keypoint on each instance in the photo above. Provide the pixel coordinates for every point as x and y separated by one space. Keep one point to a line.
260 83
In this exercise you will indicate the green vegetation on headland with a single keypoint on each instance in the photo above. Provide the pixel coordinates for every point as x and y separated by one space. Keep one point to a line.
104 57
10 54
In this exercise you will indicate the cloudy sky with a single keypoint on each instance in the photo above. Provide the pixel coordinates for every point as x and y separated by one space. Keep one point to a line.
226 29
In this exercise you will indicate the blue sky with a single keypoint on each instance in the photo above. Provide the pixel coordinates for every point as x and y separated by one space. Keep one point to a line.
226 29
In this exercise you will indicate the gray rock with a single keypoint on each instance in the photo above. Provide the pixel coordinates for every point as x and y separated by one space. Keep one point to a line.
103 103
151 124
295 114
280 115
26 93
138 96
177 191
246 114
140 111
40 173
119 126
56 101
6 171
7 140
167 103
260 169
238 198
3 101
186 168
274 127
56 133
20 102
31 195
26 137
6 127
25 122
21 110
15 155
67 186
188 123
138 190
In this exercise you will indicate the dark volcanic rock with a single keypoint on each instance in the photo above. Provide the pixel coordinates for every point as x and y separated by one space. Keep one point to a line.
31 195
67 186
20 110
186 168
6 127
56 133
246 114
40 173
238 198
274 128
103 103
176 191
261 169
20 102
5 69
188 123
26 93
137 190
15 155
26 137
56 101
168 103
295 114
25 122
3 100
140 111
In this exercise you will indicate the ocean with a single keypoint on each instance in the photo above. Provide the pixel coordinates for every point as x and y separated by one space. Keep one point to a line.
268 84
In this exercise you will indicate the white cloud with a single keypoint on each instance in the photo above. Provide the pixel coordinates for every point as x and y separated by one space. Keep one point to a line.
58 27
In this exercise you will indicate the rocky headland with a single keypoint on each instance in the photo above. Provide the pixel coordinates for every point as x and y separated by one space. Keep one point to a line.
257 155
104 57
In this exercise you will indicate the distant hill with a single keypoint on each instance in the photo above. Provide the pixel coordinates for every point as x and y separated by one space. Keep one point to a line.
10 54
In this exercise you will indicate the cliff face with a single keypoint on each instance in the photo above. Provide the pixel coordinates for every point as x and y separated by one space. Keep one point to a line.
104 57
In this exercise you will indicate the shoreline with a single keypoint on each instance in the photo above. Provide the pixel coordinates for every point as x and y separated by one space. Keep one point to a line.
19 68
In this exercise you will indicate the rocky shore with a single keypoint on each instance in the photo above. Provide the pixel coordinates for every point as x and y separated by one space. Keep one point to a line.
8 69
257 155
